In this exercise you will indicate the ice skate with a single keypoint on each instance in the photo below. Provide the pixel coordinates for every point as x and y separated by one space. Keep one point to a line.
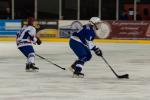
31 68
78 75
72 67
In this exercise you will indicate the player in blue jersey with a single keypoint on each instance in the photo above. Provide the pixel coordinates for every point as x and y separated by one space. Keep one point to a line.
82 45
24 39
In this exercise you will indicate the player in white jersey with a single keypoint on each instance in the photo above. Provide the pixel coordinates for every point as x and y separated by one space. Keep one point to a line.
24 39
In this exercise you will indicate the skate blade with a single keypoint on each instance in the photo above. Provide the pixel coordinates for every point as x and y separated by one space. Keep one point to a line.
32 70
77 76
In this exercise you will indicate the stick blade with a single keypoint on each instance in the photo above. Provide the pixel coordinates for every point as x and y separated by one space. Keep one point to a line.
126 76
64 68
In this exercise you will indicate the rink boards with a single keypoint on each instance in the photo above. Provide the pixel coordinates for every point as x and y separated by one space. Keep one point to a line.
96 40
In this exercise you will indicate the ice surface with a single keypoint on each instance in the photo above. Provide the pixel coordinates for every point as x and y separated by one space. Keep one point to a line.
53 83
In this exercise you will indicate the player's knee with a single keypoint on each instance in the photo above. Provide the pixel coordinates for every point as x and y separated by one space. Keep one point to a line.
89 57
86 58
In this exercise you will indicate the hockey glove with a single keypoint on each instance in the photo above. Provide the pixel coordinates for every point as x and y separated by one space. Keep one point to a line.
38 41
98 52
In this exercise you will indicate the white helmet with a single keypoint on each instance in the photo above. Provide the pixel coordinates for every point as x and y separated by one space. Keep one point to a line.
95 20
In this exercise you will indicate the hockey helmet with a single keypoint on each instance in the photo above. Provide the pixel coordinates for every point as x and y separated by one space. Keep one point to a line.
95 20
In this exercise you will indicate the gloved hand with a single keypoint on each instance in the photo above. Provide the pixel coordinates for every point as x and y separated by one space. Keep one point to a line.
38 41
98 52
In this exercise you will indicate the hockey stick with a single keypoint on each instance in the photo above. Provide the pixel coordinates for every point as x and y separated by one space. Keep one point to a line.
118 76
50 62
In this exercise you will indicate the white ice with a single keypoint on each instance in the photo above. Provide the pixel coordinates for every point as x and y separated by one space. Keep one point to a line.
53 83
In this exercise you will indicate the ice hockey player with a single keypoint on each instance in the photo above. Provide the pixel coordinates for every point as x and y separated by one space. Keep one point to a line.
24 39
82 45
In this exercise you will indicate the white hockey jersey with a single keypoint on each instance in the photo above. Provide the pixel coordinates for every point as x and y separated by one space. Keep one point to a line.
26 36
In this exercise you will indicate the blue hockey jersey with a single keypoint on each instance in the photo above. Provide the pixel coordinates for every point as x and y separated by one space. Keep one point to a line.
86 35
